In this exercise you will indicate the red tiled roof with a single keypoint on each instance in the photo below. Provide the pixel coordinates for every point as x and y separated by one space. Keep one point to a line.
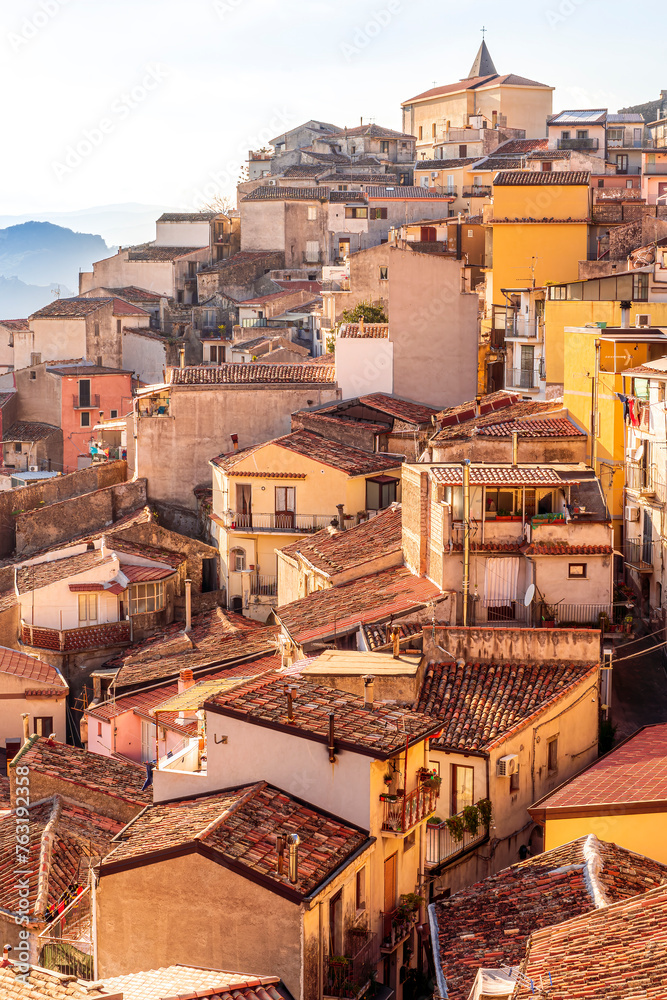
635 772
563 549
332 551
487 925
239 827
379 732
76 834
351 461
547 427
520 146
254 373
80 307
15 324
140 574
192 983
43 984
616 952
498 475
370 132
536 178
142 294
377 331
401 409
368 599
79 767
29 430
43 574
502 409
29 668
149 251
79 368
480 704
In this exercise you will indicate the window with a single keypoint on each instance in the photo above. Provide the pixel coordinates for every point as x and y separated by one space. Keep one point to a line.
463 784
342 187
99 728
637 134
353 150
546 166
576 571
582 133
17 447
237 560
552 755
558 292
44 725
33 376
119 325
336 924
97 329
621 163
285 498
84 392
35 359
565 135
85 419
499 501
312 213
378 213
352 212
615 136
87 609
640 287
113 414
380 492
514 782
360 889
463 151
628 184
146 597
384 273
433 130
312 250
421 132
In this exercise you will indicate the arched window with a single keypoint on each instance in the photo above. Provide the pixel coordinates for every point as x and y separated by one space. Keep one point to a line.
237 560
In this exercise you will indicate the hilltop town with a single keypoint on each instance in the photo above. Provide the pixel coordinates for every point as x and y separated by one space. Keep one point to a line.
333 575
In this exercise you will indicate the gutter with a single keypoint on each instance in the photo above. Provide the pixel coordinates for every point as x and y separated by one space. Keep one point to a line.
435 944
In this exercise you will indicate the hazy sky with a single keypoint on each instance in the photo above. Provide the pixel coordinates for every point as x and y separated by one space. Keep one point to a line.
152 100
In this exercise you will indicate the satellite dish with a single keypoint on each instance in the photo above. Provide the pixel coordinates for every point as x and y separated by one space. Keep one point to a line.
530 594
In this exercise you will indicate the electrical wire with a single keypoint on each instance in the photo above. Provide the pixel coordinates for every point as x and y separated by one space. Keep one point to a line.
633 656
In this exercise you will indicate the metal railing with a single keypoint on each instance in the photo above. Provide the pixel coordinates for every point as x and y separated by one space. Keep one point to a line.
254 321
396 926
577 614
501 611
92 403
346 975
402 813
263 586
587 143
66 944
520 378
638 552
440 844
282 521
477 191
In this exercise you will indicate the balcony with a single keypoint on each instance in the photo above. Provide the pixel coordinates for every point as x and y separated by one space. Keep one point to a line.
263 586
477 191
347 975
397 925
655 169
86 402
588 143
519 378
74 639
284 522
644 480
445 192
520 328
401 813
441 845
638 554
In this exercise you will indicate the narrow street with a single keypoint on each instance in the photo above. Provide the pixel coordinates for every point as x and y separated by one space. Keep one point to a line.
639 686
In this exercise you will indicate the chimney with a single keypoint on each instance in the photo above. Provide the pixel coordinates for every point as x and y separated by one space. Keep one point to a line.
368 680
515 447
341 519
188 605
235 441
396 640
181 357
5 955
290 704
361 324
280 850
625 315
293 843
186 679
26 727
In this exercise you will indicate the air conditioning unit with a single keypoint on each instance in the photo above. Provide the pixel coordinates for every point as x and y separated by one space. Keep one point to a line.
632 513
507 765
643 319
34 468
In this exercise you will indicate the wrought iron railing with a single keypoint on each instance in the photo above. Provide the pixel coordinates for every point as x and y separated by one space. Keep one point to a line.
401 813
501 610
441 844
477 191
520 378
638 552
263 586
346 975
86 403
280 521
67 942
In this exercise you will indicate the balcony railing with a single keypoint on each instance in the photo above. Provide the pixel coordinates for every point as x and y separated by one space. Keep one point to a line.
654 169
587 143
66 640
646 480
448 191
253 321
404 812
396 927
441 845
286 521
263 586
346 975
638 554
519 326
86 403
520 378
477 191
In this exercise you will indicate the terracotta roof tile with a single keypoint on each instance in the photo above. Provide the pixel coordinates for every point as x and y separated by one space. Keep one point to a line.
492 475
29 668
520 146
37 575
149 251
15 324
79 767
29 430
377 331
636 771
43 984
378 732
332 551
254 373
79 307
400 409
240 827
375 633
541 892
480 704
141 574
535 178
531 428
617 952
185 983
352 461
563 549
368 599
500 409
371 131
187 216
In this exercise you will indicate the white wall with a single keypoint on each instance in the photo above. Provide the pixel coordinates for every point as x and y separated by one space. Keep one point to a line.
182 234
146 356
364 365
52 338
57 606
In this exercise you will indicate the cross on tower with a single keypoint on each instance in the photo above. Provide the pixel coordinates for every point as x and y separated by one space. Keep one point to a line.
484 31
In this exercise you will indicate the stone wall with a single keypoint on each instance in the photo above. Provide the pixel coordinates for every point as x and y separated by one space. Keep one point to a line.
51 491
513 645
414 506
71 517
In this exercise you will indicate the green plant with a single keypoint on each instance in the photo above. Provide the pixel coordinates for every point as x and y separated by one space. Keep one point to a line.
408 904
485 810
503 512
471 819
387 778
456 828
366 311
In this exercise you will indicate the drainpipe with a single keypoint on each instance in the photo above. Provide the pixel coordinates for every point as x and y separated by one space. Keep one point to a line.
466 538
26 727
188 605
515 448
594 413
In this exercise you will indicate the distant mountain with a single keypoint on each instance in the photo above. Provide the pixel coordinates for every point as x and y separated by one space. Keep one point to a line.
120 225
18 300
40 253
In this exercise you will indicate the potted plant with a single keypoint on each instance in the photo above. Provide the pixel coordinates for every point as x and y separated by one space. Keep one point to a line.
471 819
433 782
503 515
387 778
456 828
485 810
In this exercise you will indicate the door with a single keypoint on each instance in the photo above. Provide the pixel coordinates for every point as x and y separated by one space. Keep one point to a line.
621 163
87 610
84 392
647 537
285 506
527 366
243 505
390 888
462 788
147 740
209 575
428 234
336 924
